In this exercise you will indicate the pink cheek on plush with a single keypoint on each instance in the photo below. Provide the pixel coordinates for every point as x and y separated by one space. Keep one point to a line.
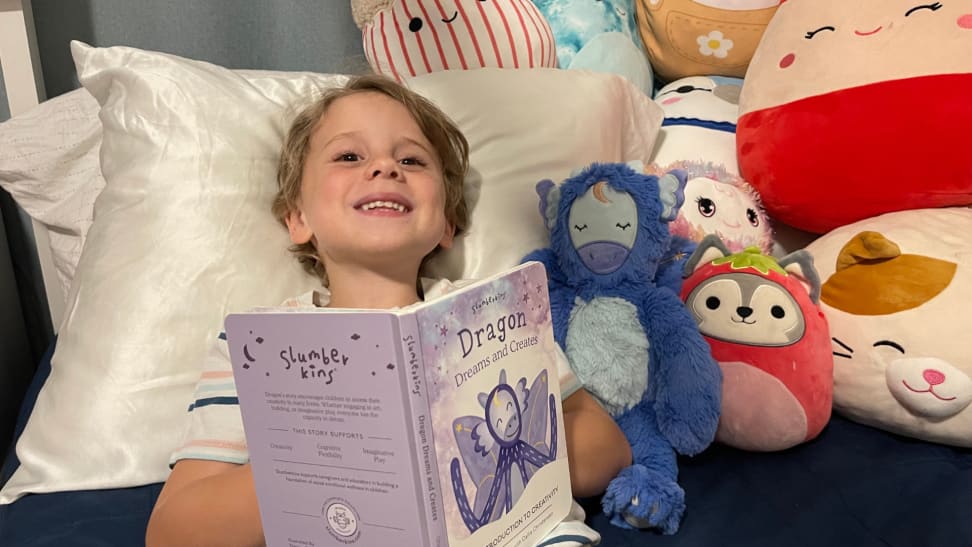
673 100
965 21
787 60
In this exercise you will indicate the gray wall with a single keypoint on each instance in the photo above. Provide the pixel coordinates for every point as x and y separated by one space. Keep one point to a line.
313 35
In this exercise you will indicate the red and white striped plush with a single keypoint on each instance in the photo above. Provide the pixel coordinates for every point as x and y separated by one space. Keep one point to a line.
407 38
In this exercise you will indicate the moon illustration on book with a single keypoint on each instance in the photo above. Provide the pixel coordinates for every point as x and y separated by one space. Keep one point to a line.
246 352
503 451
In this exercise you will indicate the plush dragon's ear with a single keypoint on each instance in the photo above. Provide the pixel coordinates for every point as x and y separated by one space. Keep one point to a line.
671 192
549 202
709 249
800 264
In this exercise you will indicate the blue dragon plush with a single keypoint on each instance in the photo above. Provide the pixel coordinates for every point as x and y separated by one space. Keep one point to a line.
632 343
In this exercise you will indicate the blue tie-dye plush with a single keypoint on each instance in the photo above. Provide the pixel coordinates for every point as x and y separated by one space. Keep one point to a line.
599 35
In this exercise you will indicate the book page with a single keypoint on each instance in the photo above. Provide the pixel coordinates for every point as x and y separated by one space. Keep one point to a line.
330 444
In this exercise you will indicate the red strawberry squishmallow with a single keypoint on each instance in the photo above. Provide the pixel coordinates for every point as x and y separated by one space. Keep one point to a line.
771 340
853 108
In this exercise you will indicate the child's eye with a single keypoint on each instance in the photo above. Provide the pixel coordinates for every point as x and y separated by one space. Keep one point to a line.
412 161
348 156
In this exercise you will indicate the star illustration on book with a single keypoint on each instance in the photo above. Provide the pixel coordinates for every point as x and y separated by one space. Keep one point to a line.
390 366
355 336
539 287
526 297
443 330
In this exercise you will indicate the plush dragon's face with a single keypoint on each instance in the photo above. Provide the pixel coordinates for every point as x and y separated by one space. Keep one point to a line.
603 227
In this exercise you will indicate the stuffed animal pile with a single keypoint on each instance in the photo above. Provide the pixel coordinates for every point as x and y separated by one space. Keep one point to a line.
841 122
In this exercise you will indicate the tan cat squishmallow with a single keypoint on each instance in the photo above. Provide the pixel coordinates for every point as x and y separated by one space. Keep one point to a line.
701 37
855 108
897 294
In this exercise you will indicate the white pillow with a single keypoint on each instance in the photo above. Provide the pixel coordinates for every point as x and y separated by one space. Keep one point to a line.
49 165
524 126
183 235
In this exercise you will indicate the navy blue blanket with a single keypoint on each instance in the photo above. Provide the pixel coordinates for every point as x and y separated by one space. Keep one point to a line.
853 486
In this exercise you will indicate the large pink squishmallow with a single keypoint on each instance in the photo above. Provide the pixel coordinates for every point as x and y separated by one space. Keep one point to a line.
853 108
407 38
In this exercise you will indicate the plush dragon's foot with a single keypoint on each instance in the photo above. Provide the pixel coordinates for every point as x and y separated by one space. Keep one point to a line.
642 498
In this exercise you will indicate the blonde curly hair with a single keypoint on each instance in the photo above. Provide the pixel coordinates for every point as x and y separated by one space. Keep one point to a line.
450 145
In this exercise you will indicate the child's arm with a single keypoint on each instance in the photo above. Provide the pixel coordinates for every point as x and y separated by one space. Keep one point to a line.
206 503
597 449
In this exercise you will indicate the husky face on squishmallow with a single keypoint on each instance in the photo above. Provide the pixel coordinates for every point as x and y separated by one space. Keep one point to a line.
408 38
897 293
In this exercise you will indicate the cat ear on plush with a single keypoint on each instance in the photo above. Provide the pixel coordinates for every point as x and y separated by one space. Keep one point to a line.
800 264
710 248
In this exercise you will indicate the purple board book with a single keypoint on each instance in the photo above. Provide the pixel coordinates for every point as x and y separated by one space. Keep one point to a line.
439 424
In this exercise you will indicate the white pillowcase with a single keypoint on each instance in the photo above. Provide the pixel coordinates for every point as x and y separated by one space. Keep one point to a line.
524 126
49 165
183 235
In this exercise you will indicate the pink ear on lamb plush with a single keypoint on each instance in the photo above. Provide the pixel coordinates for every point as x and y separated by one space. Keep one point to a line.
408 38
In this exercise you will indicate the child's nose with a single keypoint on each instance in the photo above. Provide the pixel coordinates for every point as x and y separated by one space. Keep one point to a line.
384 167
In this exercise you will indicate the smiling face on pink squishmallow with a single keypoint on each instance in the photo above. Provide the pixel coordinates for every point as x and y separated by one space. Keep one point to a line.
853 108
408 38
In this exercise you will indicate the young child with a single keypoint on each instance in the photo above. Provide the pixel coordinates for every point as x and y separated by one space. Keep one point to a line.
370 185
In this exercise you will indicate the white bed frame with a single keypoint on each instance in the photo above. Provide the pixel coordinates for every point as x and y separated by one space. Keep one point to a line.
25 89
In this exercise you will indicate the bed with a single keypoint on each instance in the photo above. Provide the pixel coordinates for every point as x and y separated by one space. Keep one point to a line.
95 430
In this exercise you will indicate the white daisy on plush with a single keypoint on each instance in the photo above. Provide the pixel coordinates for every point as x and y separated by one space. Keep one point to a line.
714 43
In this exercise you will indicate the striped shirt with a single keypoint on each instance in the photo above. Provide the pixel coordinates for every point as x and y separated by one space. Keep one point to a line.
215 426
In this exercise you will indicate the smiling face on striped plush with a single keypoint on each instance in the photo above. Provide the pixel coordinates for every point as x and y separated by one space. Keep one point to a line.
415 37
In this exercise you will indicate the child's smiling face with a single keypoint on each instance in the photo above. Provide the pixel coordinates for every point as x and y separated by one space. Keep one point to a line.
372 189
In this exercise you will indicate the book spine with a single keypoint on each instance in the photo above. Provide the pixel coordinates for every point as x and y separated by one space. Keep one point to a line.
423 446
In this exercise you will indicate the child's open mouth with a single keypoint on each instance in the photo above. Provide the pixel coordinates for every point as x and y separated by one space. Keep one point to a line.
384 205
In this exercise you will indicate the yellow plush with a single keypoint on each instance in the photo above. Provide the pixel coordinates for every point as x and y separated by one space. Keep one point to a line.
702 37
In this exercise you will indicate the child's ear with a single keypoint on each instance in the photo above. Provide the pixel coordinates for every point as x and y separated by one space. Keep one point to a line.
300 232
448 236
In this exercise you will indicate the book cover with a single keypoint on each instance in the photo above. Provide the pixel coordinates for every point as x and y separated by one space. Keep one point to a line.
439 424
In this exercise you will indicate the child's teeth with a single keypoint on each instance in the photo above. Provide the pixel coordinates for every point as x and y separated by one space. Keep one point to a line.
385 205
